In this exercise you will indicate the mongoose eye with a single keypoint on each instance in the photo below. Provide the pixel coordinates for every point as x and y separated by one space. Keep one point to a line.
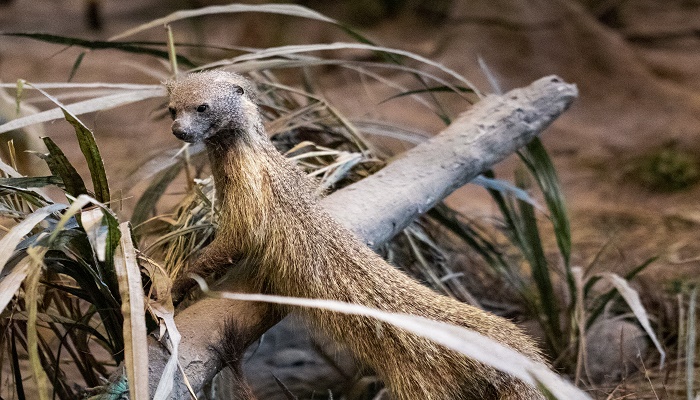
173 112
202 108
239 89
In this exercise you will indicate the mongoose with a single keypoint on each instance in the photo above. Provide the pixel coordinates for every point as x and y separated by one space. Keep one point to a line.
280 239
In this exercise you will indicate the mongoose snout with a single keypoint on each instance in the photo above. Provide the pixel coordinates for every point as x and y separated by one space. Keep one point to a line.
181 132
193 126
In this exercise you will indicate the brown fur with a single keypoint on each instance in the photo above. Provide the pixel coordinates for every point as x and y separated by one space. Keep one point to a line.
281 239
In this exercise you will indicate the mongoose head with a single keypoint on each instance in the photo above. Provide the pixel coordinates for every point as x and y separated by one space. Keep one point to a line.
206 105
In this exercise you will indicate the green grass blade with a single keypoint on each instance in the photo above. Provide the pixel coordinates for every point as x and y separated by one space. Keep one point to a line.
61 167
89 280
522 230
76 65
504 207
531 245
493 257
540 165
432 89
153 193
31 182
128 47
86 141
16 370
112 242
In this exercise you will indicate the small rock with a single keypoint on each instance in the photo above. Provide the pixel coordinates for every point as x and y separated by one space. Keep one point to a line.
614 349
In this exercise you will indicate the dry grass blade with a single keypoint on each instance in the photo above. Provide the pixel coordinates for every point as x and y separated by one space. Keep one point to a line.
284 9
83 107
165 384
9 171
632 299
131 291
31 297
580 321
96 233
12 238
87 85
284 51
12 281
459 339
690 357
75 207
361 67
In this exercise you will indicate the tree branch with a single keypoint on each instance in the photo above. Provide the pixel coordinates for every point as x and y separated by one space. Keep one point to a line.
377 208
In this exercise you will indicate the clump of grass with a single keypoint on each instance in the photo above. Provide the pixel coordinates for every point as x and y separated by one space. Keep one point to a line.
668 169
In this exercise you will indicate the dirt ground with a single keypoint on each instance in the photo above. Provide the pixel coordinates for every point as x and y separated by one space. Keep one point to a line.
635 62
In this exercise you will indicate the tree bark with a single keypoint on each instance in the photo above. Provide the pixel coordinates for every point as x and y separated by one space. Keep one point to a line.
377 208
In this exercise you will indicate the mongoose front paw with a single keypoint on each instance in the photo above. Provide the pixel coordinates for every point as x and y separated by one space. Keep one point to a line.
181 287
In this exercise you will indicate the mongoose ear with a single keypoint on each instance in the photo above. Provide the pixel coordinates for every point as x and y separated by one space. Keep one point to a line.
238 89
169 86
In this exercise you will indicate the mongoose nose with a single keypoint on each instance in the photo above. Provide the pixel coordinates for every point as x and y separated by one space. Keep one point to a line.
180 132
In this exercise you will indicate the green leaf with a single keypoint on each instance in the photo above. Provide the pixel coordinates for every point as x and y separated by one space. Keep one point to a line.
86 141
16 370
433 89
31 182
531 245
487 250
113 238
76 65
128 47
540 165
81 267
60 166
152 194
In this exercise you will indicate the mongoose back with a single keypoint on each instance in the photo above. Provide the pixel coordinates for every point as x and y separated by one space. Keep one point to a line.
274 229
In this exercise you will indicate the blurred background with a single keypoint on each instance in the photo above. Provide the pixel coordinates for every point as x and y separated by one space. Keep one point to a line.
626 152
